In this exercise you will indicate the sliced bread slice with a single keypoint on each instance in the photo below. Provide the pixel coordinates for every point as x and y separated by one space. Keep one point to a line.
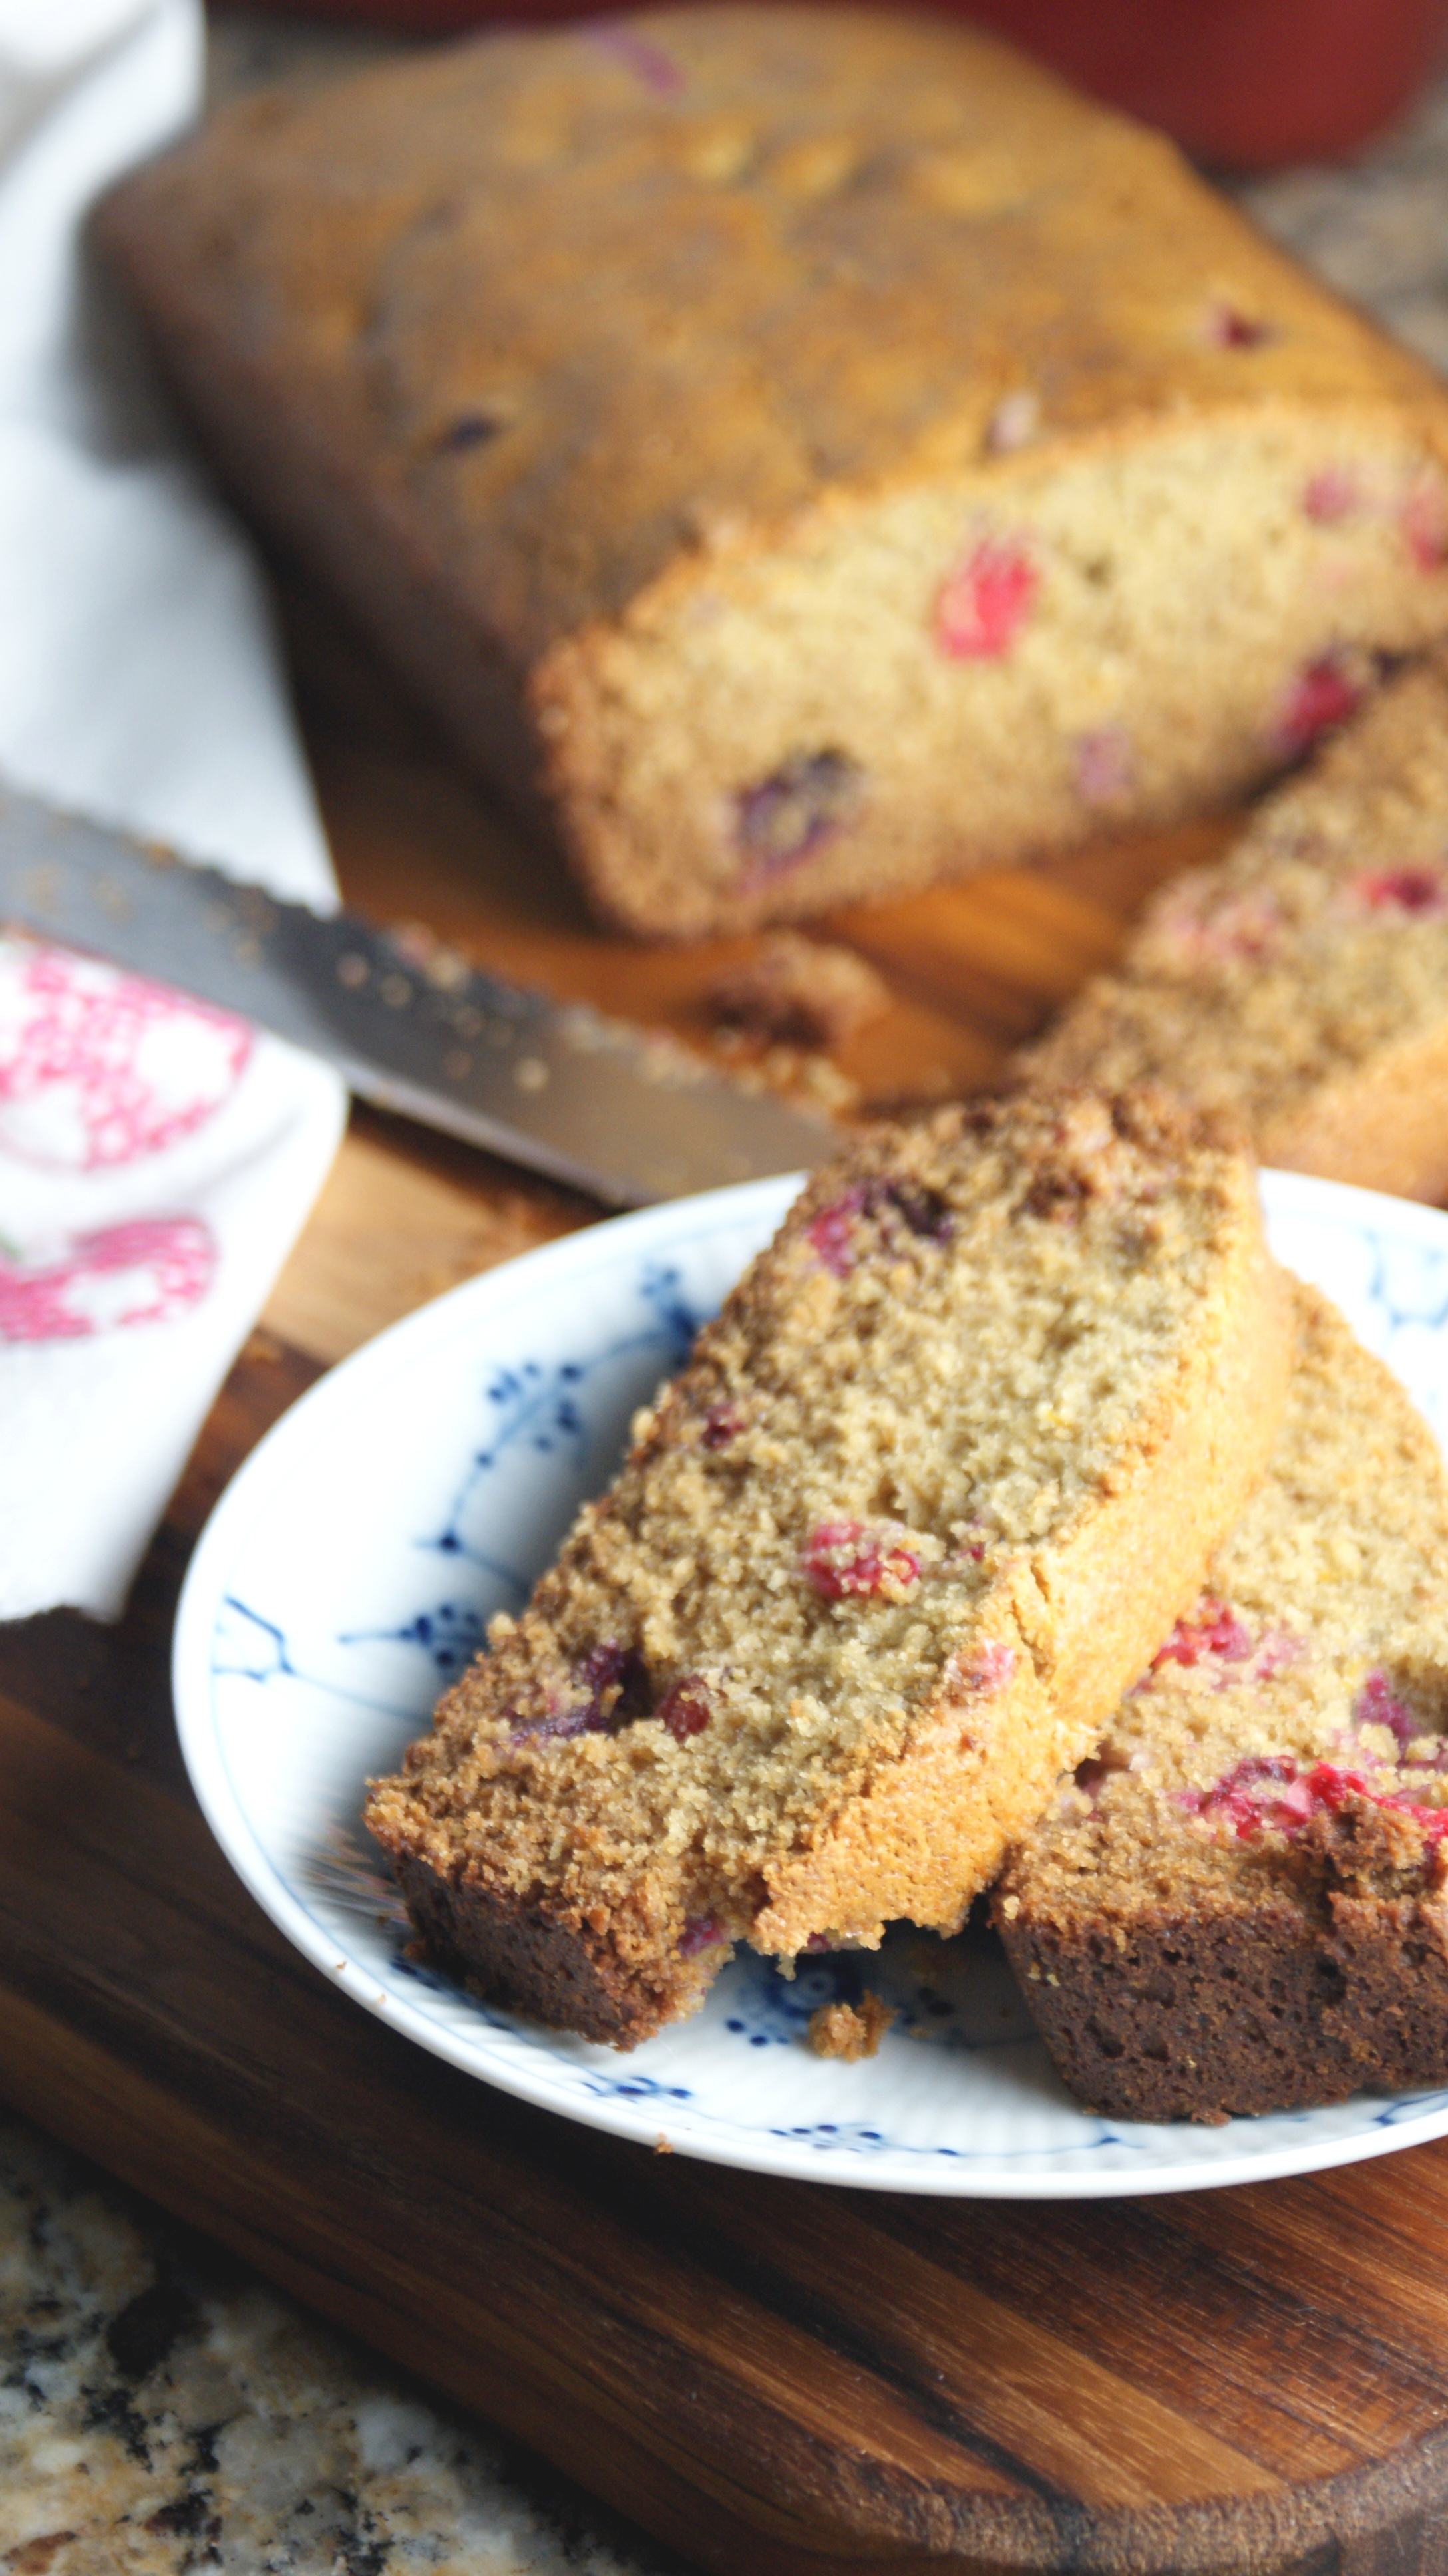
1239 1904
1300 985
945 1467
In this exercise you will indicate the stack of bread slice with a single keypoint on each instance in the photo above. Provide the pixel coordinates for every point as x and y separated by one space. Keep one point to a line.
1015 1523
1237 1905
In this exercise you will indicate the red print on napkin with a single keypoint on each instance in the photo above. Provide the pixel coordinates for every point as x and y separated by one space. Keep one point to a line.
141 1273
97 1069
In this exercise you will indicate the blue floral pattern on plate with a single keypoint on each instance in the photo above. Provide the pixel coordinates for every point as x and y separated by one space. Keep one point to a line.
350 1571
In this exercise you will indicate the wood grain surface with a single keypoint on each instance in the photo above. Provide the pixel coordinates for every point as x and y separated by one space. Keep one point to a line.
770 2376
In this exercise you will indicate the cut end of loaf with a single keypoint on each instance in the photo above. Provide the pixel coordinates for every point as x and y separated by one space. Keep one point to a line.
912 684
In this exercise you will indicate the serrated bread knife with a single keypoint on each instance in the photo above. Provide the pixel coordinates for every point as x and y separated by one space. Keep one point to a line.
406 1020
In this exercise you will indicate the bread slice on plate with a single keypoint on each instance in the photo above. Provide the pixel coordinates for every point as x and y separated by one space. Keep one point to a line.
1300 985
798 452
940 1475
1239 1905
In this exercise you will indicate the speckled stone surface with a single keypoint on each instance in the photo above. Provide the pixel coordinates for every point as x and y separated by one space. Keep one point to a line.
162 2410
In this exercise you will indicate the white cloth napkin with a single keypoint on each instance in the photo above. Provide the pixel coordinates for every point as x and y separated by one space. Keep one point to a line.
156 1159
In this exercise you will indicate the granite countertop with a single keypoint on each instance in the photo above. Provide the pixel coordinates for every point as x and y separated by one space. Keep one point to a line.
161 2409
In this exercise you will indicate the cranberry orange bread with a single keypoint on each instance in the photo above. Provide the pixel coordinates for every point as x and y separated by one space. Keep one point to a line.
1240 1906
822 450
953 1455
1300 984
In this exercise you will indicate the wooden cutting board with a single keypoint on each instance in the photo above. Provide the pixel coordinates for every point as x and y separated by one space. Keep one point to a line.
770 2376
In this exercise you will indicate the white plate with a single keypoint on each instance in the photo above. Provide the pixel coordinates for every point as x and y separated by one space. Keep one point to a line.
348 1572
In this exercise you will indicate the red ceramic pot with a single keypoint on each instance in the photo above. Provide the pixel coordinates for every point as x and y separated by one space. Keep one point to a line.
1242 82
1245 83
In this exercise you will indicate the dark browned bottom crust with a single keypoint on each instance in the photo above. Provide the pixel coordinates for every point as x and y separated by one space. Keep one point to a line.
548 1971
1277 2008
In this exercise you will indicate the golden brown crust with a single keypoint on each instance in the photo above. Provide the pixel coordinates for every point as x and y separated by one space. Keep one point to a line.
1380 1125
810 170
918 1838
954 1450
686 547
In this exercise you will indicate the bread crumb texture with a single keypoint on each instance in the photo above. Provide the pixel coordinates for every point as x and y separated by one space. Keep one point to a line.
944 1468
851 2031
1237 1904
1300 984
805 992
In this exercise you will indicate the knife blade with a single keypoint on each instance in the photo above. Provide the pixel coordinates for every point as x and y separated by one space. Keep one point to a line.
408 1022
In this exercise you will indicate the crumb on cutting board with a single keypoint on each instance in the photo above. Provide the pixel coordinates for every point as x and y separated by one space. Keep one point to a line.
800 990
850 2030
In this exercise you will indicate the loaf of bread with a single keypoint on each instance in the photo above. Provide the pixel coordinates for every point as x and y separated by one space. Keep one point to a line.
798 453
944 1469
1299 986
1240 1905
